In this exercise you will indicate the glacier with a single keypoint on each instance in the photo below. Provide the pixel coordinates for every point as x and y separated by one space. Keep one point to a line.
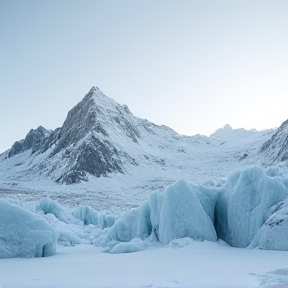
245 204
47 205
248 210
273 233
237 212
24 234
88 216
176 212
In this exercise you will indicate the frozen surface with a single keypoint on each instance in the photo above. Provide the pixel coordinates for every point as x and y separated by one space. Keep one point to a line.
90 216
246 203
24 234
274 233
184 263
173 213
134 245
48 205
184 209
182 215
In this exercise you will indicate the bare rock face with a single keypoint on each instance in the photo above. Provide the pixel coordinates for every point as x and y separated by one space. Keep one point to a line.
94 157
276 148
34 140
86 143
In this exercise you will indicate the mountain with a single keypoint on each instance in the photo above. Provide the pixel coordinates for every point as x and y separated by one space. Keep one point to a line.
97 138
228 132
275 149
115 159
33 140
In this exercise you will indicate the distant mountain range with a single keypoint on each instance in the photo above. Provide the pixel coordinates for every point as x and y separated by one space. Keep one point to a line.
101 139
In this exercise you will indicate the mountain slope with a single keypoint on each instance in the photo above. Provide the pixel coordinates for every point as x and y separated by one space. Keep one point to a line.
276 148
115 158
33 140
98 137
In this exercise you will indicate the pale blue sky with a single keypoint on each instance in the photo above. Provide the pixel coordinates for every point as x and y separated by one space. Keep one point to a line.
191 65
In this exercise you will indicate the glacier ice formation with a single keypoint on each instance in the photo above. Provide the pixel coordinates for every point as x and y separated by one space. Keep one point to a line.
249 210
24 233
240 212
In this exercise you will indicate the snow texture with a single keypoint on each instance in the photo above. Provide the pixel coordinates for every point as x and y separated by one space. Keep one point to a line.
245 204
193 264
24 234
134 245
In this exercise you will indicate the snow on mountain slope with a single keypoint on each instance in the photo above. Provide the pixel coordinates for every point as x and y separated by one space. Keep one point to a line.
33 140
115 159
275 149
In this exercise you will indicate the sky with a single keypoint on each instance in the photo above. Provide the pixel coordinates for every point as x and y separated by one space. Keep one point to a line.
191 65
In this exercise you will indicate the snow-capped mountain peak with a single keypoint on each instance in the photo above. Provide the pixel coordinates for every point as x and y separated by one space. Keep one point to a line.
101 140
223 131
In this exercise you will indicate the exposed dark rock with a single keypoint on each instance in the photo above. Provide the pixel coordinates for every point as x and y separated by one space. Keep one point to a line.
92 141
72 177
51 140
79 122
127 109
94 157
276 148
16 148
245 155
34 140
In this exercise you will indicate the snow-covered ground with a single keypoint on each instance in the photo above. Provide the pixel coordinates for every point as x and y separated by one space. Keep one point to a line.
196 158
182 263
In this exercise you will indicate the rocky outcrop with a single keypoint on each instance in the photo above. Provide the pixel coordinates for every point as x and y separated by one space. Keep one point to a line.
34 140
94 157
86 143
276 148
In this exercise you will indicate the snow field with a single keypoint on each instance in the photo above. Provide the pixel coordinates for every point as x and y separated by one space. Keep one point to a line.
183 263
248 210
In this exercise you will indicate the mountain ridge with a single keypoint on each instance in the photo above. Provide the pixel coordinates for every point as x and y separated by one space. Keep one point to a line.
100 137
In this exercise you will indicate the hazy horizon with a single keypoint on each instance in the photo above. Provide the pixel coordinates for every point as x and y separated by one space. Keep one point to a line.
191 65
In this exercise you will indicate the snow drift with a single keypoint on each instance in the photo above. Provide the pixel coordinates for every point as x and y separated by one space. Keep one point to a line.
24 234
